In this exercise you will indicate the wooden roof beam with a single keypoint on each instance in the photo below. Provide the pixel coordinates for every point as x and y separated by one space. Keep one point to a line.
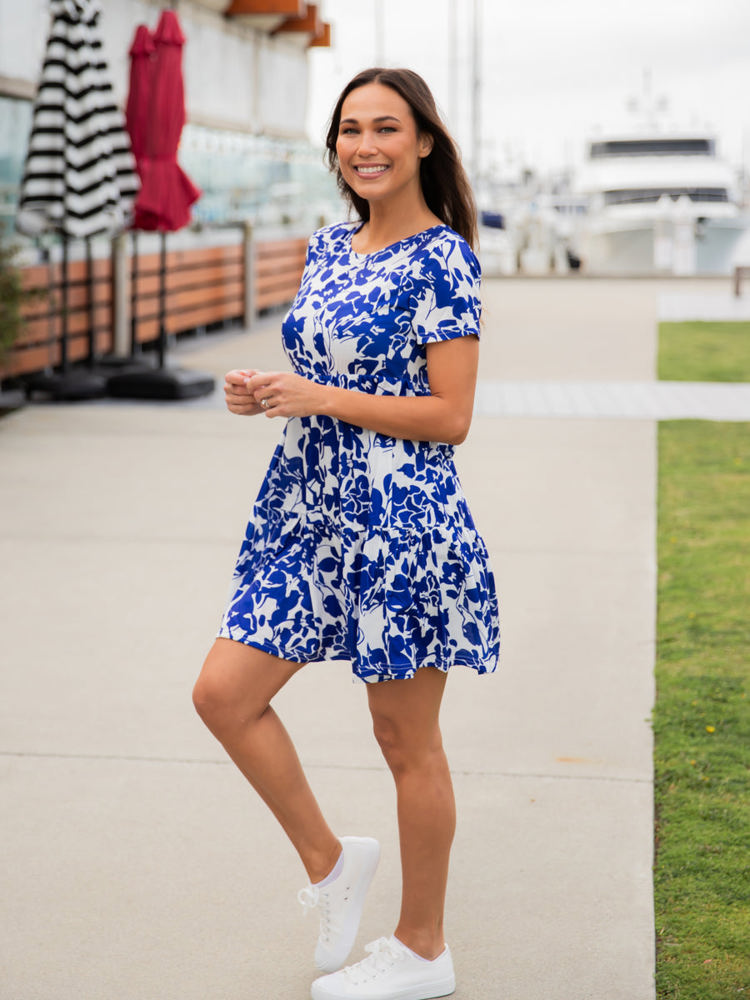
266 15
248 8
322 40
308 23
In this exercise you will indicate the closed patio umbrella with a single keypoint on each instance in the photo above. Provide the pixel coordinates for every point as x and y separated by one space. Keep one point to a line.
138 106
166 192
79 178
137 113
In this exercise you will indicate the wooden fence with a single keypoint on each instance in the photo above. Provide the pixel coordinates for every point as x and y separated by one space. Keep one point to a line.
203 286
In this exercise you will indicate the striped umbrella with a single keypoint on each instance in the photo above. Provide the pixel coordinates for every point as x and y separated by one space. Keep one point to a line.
80 176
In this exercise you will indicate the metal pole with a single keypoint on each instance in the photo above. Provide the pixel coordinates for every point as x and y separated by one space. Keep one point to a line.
453 63
120 321
163 301
90 291
476 94
134 295
379 33
249 273
64 301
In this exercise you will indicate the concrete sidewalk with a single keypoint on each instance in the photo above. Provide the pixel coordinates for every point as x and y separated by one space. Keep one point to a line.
136 863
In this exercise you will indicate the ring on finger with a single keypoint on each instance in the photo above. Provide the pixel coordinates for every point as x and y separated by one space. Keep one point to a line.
264 403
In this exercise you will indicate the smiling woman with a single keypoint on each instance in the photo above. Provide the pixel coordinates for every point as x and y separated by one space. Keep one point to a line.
361 545
443 184
379 158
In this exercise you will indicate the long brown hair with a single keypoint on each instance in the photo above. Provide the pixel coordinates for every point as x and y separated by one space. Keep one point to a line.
445 185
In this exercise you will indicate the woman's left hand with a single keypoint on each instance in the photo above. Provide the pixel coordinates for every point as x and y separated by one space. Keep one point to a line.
285 394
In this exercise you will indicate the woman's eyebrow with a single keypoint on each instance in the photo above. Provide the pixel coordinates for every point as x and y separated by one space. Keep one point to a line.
377 121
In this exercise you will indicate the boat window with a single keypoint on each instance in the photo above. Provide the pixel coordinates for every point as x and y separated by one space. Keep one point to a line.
634 196
652 147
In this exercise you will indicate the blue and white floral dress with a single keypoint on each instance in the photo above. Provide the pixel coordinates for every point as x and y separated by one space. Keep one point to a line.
362 546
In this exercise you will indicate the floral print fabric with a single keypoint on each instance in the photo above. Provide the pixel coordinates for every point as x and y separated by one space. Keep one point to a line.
362 546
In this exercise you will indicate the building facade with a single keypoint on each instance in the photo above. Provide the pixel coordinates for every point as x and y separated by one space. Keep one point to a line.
245 66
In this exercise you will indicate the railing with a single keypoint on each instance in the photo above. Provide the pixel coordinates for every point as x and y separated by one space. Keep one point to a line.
89 316
114 303
201 287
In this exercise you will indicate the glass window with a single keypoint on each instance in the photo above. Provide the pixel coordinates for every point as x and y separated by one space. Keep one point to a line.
15 124
646 195
652 147
267 181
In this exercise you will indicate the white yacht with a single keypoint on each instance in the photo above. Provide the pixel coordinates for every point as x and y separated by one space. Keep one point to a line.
659 201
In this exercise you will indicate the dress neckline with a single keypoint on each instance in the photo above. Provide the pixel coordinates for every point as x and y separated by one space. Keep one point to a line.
389 246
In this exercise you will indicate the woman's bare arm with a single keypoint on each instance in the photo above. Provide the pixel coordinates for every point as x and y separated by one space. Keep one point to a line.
443 415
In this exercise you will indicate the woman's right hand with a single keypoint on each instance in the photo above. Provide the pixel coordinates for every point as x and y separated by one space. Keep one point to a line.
236 394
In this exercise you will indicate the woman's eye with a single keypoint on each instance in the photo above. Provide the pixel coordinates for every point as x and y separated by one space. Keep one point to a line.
387 128
348 130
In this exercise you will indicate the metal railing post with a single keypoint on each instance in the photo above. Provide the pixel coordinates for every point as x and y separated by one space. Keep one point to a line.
249 275
120 311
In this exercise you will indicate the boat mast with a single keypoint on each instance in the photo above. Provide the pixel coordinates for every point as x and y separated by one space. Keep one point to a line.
453 63
476 93
379 32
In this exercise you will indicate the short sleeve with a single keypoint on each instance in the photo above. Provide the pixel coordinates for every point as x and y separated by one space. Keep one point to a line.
446 297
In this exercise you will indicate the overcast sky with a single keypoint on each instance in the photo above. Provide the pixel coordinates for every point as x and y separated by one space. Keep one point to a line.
553 71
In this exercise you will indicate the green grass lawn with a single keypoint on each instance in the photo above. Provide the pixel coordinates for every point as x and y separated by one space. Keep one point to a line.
704 352
702 714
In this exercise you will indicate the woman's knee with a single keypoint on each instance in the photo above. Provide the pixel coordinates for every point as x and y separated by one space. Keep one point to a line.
212 695
236 685
402 749
406 719
220 694
386 735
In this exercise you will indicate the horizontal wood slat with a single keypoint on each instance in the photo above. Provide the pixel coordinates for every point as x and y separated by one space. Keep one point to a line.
203 286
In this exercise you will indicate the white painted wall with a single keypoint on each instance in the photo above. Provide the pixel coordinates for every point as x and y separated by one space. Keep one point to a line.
235 77
23 33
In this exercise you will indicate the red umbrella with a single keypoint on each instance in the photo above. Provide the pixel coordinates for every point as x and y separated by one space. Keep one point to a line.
166 192
155 117
139 94
138 108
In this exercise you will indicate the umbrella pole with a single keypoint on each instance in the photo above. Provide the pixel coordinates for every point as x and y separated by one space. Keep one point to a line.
64 307
163 300
133 293
91 304
46 256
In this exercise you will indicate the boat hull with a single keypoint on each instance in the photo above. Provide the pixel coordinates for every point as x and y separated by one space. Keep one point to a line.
653 246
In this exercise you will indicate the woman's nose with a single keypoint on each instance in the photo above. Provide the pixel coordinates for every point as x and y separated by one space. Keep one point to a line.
367 143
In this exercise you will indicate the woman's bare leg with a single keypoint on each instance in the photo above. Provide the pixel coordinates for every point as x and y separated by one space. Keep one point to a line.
232 695
406 723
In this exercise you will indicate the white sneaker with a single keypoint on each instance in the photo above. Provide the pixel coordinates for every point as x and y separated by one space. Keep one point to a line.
390 972
341 902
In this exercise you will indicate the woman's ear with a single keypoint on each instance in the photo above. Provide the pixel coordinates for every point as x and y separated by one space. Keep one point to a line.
426 142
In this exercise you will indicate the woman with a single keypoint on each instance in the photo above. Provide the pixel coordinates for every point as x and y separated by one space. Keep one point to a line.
361 545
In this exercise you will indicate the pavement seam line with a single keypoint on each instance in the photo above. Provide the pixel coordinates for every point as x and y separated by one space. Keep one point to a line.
207 761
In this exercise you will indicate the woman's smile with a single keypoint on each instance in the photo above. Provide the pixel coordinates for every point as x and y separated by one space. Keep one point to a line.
368 170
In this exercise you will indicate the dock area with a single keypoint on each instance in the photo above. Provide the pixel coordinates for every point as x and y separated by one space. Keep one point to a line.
137 864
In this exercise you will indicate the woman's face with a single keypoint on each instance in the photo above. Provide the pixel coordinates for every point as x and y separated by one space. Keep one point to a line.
378 147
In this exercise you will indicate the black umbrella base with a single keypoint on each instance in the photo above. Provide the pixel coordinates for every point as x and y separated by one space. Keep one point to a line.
113 365
160 383
71 386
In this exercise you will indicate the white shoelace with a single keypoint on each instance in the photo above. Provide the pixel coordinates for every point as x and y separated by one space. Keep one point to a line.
310 897
384 953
